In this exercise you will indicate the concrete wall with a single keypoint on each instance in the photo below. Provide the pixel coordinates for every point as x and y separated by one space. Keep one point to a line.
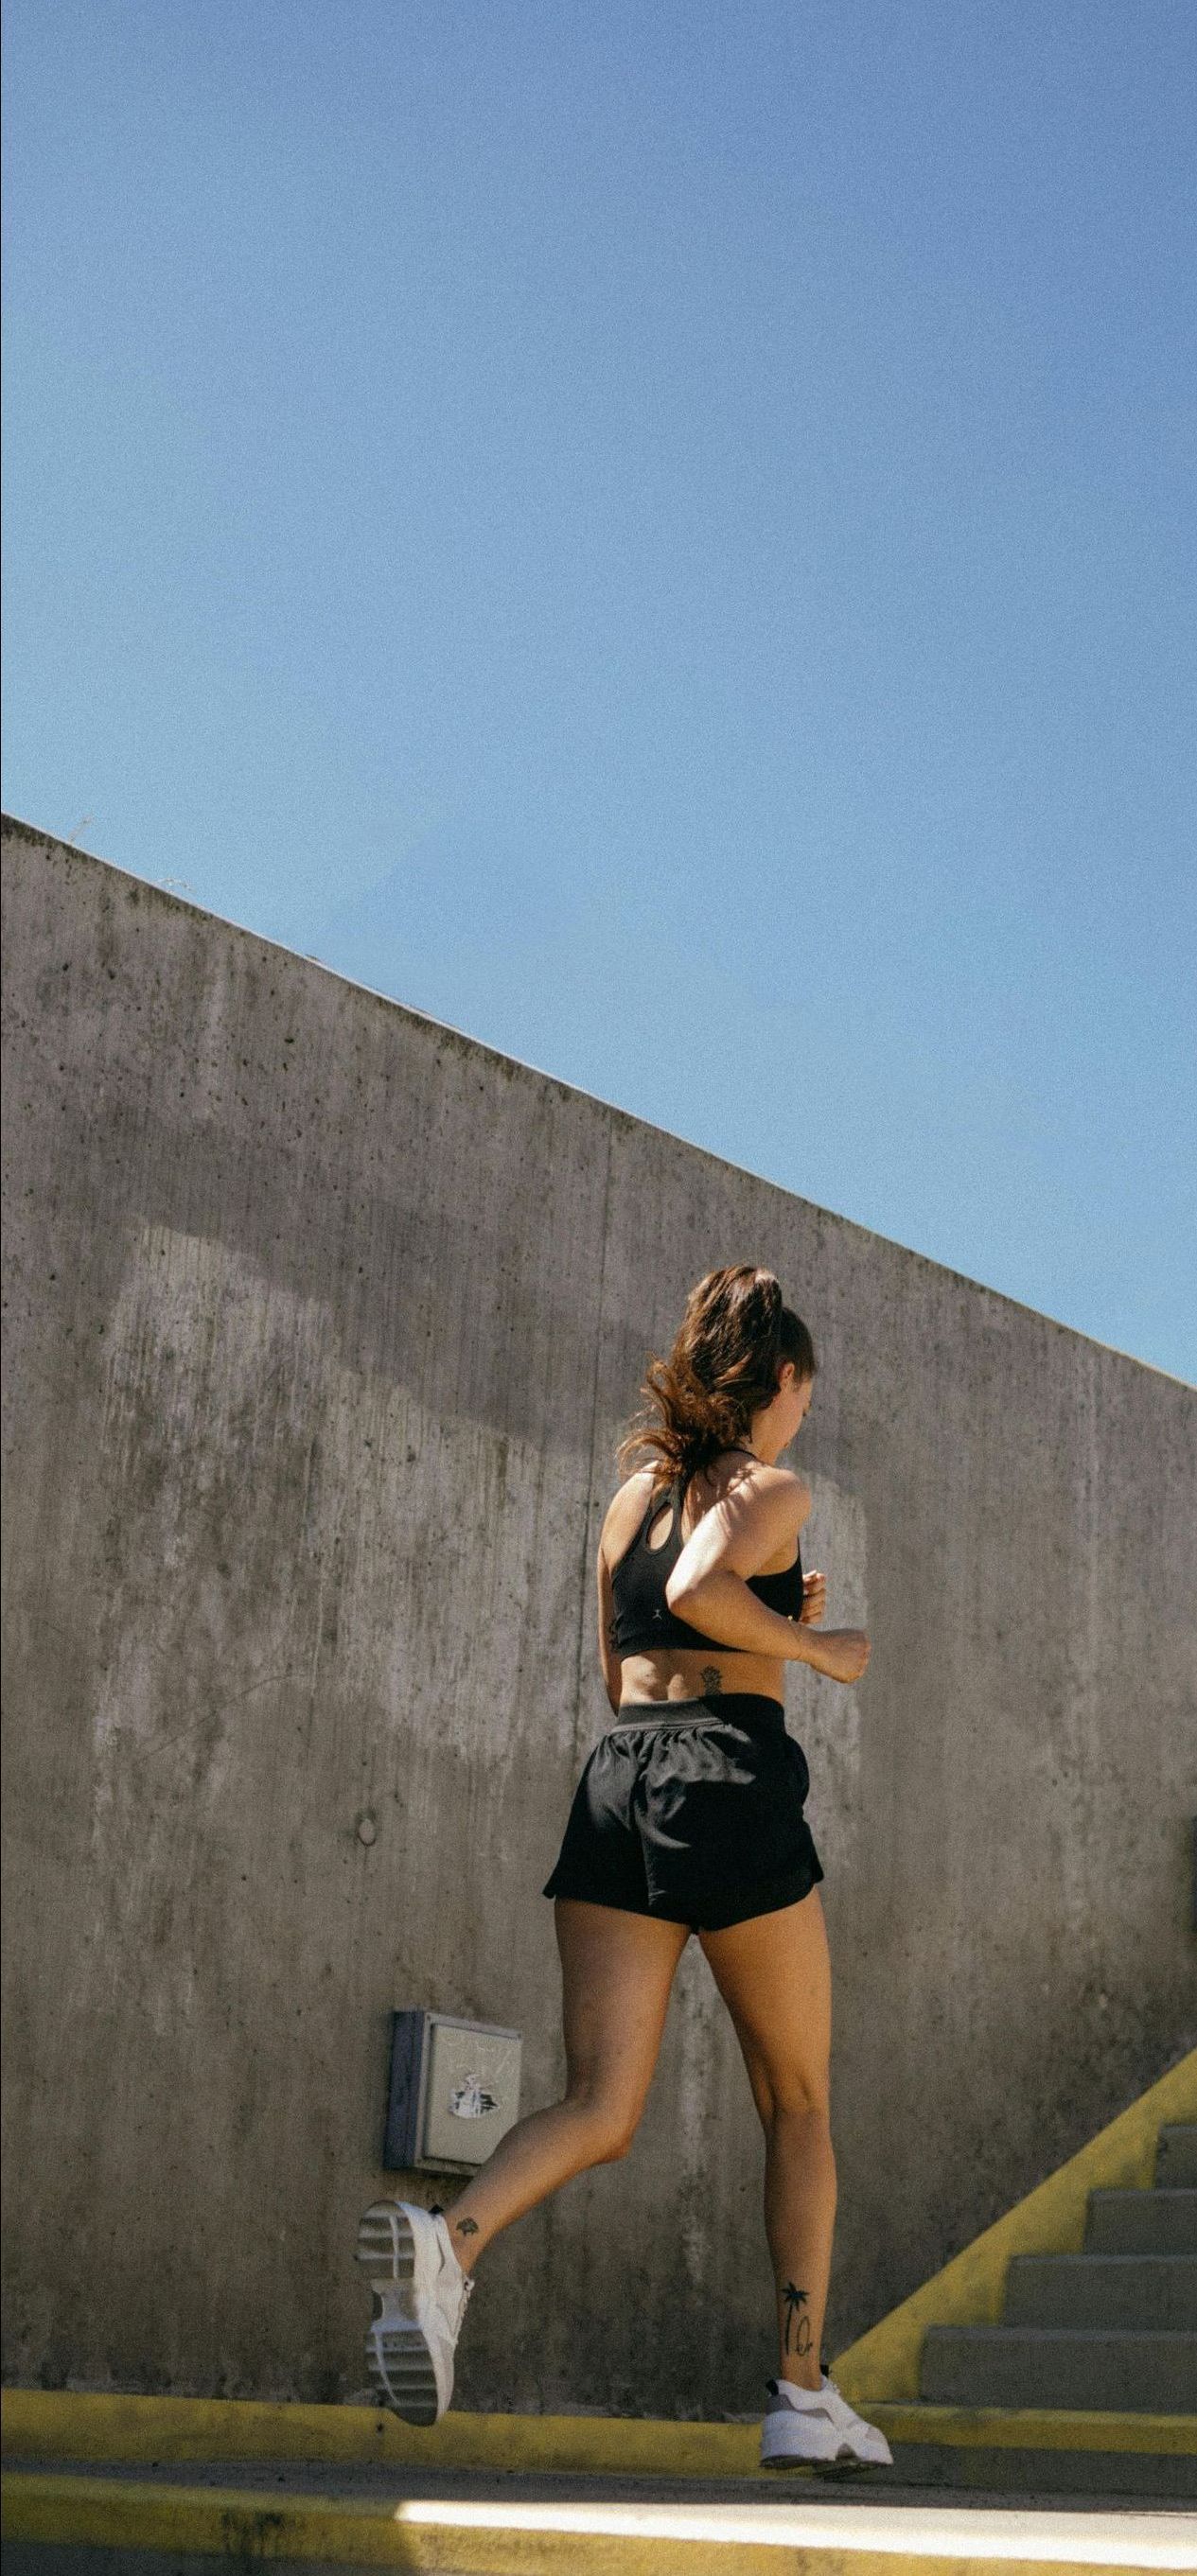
323 1323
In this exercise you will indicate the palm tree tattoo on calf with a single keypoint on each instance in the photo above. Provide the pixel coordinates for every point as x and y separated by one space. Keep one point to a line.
795 2301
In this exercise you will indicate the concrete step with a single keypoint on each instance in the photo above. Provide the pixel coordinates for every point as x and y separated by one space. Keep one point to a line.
1116 2291
1176 2156
982 2469
970 2454
1162 2221
1059 2367
479 2535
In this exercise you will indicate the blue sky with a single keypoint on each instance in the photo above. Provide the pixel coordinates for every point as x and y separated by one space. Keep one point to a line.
664 537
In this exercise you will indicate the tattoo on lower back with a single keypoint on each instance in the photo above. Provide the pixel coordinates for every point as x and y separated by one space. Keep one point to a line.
711 1678
467 2227
795 2301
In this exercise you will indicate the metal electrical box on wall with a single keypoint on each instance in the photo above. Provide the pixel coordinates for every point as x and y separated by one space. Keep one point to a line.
454 2092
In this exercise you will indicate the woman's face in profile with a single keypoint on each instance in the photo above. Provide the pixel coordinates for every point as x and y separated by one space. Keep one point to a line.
793 1399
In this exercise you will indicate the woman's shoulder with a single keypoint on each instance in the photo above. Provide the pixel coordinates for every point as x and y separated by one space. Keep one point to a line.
642 1479
627 1508
779 1489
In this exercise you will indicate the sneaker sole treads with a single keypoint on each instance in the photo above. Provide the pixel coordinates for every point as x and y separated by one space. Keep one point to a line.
839 2463
398 2355
845 2465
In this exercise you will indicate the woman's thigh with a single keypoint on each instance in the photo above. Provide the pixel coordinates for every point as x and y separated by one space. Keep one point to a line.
616 1972
774 1974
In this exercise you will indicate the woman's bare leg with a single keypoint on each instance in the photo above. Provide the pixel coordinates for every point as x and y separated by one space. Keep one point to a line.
774 1974
616 1973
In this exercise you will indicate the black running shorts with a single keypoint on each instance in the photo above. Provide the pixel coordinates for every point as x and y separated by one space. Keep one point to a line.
691 1809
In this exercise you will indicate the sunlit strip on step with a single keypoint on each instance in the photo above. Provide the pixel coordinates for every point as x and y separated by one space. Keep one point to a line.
592 2539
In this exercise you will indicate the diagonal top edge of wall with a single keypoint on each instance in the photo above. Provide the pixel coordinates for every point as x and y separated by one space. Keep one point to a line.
18 830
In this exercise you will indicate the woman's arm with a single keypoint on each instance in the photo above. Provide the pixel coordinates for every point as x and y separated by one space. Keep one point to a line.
709 1583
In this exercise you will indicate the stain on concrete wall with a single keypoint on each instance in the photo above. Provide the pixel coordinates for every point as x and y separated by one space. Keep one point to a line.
323 1322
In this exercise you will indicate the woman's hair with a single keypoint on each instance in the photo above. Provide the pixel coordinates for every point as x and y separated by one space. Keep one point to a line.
723 1367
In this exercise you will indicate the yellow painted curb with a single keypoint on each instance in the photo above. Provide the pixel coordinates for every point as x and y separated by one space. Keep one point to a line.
61 2424
58 2424
465 2539
73 2425
969 2291
1037 2428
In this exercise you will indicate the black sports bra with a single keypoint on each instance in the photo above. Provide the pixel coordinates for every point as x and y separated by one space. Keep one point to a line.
643 1617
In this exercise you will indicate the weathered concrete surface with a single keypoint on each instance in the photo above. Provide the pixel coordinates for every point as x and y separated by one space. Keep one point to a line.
323 1323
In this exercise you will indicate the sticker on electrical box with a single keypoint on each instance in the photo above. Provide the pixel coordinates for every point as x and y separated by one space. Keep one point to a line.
468 2101
473 2091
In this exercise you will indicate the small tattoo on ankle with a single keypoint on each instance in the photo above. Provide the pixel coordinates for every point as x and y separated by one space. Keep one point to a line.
796 2300
467 2227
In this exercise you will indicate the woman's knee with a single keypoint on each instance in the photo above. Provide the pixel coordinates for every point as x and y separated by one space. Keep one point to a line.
808 2095
794 2093
608 2127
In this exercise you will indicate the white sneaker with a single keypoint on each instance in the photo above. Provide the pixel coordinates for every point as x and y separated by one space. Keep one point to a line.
817 2426
420 2298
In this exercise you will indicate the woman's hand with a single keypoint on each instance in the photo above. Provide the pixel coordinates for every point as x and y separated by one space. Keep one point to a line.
842 1654
814 1598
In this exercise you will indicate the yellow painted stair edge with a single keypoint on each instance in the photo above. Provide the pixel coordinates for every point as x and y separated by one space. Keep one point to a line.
464 2539
884 2363
62 2424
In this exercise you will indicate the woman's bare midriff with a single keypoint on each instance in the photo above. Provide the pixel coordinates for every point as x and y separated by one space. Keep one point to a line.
690 1672
687 1673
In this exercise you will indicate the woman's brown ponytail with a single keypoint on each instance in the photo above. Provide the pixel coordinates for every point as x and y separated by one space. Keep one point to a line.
723 1367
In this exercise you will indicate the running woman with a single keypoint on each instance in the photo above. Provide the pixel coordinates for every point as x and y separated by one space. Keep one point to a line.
688 1818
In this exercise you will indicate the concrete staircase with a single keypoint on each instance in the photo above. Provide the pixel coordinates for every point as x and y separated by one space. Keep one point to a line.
1112 2326
1087 2377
